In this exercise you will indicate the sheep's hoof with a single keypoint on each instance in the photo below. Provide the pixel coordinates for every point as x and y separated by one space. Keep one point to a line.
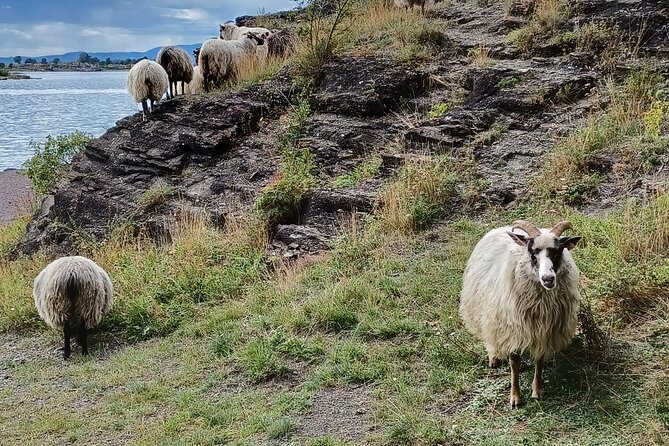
514 400
537 394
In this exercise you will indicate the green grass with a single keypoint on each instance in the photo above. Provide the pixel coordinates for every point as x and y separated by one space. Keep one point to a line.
626 132
236 355
365 171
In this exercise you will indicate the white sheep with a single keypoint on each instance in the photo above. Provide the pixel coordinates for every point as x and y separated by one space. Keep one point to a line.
73 293
220 60
177 64
521 293
230 31
147 82
196 85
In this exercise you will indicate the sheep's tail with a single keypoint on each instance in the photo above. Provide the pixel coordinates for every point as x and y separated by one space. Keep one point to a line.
72 290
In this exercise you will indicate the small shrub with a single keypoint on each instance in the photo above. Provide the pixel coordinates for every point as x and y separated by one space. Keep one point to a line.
418 195
545 19
260 360
479 56
363 172
49 160
508 82
280 200
158 194
324 20
438 110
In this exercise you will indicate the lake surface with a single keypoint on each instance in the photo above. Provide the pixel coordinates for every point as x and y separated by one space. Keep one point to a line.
57 103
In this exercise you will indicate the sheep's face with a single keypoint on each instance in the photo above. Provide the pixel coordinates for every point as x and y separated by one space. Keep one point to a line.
545 254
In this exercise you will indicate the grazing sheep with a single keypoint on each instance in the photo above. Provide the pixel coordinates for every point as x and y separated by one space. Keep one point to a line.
520 293
409 4
196 85
281 43
177 64
147 82
73 293
221 59
230 31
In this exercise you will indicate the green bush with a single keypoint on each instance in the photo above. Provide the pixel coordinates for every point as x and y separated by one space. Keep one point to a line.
48 163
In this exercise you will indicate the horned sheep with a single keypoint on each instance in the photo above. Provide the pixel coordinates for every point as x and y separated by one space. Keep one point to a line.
147 83
520 293
73 293
220 60
177 64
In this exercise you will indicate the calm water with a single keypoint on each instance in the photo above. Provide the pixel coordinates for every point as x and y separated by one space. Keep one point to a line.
58 103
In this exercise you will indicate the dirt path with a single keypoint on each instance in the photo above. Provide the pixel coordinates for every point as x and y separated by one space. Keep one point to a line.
16 197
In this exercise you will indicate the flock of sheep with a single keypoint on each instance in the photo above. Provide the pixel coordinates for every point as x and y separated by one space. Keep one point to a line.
520 290
217 61
520 293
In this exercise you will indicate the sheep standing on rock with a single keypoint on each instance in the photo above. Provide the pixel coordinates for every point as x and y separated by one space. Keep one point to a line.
281 43
220 60
521 293
230 31
73 293
177 64
147 83
196 85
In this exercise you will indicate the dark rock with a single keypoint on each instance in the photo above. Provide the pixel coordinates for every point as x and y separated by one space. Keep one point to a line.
367 86
300 237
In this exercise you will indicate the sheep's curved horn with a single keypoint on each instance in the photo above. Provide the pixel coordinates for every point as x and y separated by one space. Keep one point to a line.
526 226
559 228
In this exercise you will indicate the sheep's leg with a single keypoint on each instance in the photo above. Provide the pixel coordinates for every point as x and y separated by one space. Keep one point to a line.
514 397
493 361
82 339
66 339
537 383
145 109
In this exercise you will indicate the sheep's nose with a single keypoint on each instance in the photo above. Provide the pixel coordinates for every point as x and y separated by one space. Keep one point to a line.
548 281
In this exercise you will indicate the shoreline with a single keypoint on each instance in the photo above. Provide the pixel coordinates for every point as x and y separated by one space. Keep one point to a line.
16 197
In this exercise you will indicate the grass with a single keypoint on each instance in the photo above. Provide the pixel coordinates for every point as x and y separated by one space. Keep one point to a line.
545 19
156 195
280 200
392 32
418 195
235 353
365 171
626 133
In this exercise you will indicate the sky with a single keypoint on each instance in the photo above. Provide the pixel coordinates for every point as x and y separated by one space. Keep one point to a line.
45 27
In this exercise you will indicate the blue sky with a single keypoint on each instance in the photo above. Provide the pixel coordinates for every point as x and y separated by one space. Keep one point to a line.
43 27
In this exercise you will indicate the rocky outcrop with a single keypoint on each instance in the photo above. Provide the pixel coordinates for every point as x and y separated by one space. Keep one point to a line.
215 153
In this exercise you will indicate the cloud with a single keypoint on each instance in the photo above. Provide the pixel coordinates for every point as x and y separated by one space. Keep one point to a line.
45 27
191 15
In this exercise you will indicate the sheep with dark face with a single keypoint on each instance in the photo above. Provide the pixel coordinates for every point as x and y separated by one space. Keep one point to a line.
520 293
177 65
281 43
73 293
230 31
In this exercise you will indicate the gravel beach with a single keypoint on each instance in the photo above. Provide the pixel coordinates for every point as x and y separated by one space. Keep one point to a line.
16 197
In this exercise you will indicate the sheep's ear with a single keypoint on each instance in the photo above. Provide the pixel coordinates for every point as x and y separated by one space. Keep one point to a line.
519 239
221 27
569 242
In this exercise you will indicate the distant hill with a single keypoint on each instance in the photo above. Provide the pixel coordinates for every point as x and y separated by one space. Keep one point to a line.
74 56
